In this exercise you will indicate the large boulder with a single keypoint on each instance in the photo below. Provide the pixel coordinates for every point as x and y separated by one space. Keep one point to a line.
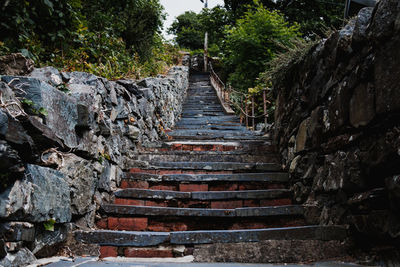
43 194
60 109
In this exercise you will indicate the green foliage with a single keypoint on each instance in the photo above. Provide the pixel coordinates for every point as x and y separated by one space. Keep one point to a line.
253 42
33 108
110 38
188 30
49 225
313 16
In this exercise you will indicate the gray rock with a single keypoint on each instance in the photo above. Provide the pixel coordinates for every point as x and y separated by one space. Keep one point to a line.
21 258
362 21
9 159
61 109
133 132
3 123
107 181
387 76
302 136
82 181
362 105
393 186
45 243
15 64
17 231
384 19
345 37
3 249
43 194
49 75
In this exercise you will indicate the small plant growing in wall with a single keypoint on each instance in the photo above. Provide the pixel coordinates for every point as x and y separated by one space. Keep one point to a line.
29 104
49 225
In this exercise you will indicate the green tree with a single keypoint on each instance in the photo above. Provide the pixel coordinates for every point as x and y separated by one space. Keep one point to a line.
314 16
253 42
214 21
188 30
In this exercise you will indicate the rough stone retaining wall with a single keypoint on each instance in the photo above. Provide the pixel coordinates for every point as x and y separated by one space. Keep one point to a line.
338 126
63 157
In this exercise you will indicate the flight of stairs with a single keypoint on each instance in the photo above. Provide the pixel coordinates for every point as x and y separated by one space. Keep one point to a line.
212 186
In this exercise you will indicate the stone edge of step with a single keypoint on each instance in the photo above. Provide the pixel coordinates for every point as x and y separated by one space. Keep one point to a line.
129 210
138 193
144 239
281 177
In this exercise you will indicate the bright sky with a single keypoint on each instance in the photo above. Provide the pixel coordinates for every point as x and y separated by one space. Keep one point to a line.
176 7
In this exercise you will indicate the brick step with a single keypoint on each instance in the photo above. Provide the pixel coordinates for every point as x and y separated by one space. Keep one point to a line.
147 183
150 252
170 224
239 179
136 193
214 156
208 204
146 239
216 166
128 210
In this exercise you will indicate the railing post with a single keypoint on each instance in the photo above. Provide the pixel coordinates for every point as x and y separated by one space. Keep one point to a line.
241 110
247 112
265 107
253 113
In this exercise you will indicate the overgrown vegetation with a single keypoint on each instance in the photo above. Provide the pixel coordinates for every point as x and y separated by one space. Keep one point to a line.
108 38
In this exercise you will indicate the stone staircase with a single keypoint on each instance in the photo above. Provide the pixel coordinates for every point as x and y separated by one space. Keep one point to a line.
213 192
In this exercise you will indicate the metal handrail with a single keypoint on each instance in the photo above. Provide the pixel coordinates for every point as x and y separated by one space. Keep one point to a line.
224 93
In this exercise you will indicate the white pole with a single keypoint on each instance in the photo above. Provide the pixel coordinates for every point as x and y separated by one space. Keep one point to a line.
206 43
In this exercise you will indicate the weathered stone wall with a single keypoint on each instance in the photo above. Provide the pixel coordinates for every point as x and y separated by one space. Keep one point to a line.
338 126
65 139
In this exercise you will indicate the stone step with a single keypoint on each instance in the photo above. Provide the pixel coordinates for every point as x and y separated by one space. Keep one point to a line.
236 177
123 210
216 166
215 137
252 147
237 128
211 132
146 239
135 193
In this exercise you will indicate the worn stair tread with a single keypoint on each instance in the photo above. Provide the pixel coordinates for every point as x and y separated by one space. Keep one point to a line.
144 239
156 157
217 166
290 210
224 143
122 238
324 233
201 195
216 137
280 177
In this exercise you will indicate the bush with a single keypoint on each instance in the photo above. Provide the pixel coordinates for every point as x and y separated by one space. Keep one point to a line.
253 42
